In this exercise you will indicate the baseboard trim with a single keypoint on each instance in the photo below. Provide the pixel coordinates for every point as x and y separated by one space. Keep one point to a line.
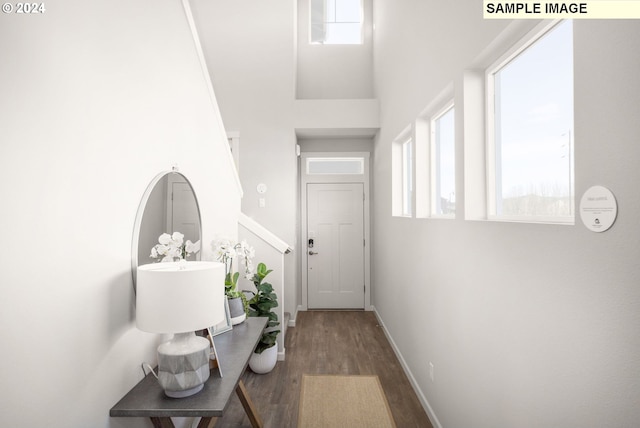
292 320
414 384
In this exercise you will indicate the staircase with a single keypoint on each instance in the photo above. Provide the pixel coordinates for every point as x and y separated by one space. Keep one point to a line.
271 251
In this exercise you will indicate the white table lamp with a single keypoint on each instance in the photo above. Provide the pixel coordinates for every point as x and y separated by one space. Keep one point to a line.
180 298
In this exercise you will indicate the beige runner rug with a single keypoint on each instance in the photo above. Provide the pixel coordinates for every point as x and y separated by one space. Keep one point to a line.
328 401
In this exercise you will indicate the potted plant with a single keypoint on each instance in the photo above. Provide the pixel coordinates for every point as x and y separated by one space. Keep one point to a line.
225 251
265 356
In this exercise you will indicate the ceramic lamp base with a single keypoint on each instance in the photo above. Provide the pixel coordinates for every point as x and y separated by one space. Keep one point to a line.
185 393
183 365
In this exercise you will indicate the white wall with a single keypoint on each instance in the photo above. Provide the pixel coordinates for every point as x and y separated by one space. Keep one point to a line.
334 71
527 325
336 144
336 117
250 53
97 98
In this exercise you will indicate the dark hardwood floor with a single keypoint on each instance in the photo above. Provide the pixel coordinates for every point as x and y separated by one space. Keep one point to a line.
328 342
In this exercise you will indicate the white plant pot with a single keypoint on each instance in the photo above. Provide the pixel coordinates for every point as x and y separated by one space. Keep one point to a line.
265 362
239 319
236 310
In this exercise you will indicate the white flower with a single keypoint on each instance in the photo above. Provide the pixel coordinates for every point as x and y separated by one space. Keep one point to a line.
222 249
174 252
191 247
251 253
162 249
245 251
172 247
177 238
225 251
164 239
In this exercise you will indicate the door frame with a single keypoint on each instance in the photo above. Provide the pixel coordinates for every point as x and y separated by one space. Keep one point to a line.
334 178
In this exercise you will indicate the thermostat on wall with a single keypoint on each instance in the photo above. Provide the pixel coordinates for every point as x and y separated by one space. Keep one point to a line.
598 208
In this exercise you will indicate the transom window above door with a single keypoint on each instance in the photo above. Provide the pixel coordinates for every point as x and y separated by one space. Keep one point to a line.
335 165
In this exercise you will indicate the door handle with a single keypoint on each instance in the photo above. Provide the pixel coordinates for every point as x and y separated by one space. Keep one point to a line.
311 253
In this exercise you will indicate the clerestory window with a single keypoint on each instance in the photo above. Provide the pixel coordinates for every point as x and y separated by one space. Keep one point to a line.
336 22
530 129
443 163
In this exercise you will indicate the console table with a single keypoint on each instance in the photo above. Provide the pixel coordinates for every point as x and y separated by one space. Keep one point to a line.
234 348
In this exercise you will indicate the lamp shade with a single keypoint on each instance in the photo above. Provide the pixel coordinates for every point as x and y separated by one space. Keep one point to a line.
179 297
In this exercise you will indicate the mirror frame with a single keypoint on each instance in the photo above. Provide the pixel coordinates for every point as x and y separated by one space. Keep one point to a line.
140 214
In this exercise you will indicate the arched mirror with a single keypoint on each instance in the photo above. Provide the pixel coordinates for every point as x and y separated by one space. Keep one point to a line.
168 205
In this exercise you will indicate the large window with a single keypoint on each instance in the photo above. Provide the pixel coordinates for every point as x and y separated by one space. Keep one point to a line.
336 21
530 129
443 163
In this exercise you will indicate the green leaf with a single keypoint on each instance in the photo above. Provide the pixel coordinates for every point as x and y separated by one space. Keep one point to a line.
261 305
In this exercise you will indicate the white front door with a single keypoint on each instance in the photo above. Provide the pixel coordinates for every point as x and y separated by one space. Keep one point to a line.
182 211
335 246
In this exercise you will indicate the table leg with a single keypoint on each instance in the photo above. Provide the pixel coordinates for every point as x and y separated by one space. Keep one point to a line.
207 422
162 422
249 408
